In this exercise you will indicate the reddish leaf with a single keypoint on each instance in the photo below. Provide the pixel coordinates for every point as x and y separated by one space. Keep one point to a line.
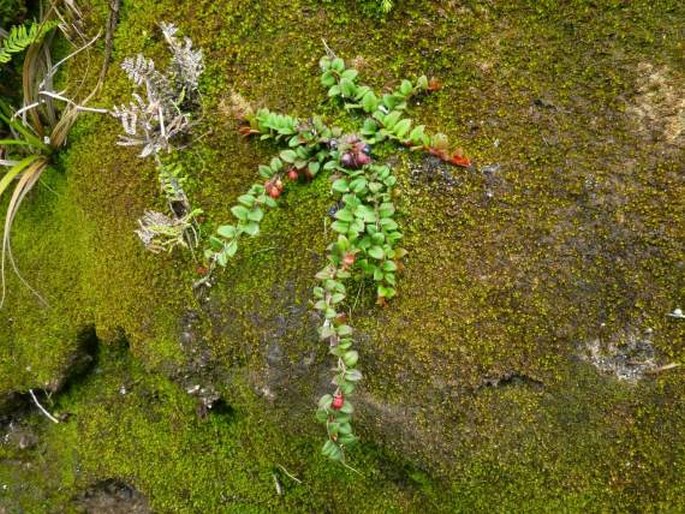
434 85
460 160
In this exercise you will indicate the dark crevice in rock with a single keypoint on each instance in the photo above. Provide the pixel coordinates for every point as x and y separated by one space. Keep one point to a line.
112 496
511 378
80 363
13 405
218 407
16 405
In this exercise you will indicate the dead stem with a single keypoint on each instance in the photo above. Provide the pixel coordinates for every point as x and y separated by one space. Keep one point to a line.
42 409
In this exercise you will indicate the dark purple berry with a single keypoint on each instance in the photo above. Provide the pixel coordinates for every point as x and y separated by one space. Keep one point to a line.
347 160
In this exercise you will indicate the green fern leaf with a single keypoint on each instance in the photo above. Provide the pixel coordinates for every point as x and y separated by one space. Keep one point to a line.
22 36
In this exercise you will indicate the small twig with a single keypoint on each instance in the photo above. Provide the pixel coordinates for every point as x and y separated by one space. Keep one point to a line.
329 52
42 409
53 68
289 475
161 121
268 249
664 368
360 290
26 108
72 103
112 21
279 489
351 468
72 6
201 137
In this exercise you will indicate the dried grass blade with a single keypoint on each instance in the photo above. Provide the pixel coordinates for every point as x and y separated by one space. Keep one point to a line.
26 183
33 63
32 167
61 130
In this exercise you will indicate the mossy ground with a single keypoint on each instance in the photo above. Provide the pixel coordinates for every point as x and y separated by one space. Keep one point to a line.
578 235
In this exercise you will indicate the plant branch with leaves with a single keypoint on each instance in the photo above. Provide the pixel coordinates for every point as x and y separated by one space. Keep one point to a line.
367 232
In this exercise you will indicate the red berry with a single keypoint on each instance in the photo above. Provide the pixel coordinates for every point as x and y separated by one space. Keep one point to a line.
362 159
274 187
292 174
348 260
338 401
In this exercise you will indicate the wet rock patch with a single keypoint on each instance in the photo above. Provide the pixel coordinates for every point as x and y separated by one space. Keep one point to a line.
659 105
631 356
112 496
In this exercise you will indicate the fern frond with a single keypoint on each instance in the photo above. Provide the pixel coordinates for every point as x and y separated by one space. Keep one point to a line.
171 94
21 37
187 64
386 6
139 69
171 180
158 232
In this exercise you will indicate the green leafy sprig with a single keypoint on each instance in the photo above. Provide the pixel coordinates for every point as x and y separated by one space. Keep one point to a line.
20 37
386 119
248 212
366 247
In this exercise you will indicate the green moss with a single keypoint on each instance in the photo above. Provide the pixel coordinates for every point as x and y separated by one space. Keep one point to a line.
577 236
151 437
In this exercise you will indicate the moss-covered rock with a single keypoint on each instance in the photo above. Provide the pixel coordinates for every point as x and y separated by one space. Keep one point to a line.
569 229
